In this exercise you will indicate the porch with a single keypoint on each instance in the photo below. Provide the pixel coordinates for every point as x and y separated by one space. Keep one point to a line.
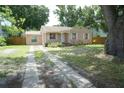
57 37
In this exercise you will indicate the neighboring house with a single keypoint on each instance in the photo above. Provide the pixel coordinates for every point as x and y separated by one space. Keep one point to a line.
2 33
47 34
99 33
99 37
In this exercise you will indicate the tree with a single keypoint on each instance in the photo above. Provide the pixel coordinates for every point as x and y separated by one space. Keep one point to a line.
114 16
67 15
22 18
88 16
7 18
30 17
91 17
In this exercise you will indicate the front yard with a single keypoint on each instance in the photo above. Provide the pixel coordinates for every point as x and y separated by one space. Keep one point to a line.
50 75
12 61
99 68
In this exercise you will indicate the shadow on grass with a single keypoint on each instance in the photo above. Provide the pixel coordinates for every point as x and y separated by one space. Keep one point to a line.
12 71
101 72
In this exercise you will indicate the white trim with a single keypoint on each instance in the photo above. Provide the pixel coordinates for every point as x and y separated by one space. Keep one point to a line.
84 35
62 37
55 36
76 35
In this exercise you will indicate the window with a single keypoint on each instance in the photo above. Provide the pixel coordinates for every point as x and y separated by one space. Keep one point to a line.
34 39
52 36
73 35
86 36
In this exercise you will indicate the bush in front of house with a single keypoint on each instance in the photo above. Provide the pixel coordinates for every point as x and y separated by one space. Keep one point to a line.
54 44
2 41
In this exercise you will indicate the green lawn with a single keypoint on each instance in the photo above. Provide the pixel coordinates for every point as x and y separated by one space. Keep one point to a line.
92 59
21 51
38 55
13 62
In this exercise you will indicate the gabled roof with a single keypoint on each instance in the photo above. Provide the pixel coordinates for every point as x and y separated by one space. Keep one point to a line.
60 28
33 32
55 28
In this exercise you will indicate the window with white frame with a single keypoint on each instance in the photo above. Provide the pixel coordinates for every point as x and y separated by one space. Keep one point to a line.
74 36
86 36
52 36
34 38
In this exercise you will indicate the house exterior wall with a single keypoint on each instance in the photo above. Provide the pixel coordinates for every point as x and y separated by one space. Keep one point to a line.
29 40
58 38
66 37
43 38
80 36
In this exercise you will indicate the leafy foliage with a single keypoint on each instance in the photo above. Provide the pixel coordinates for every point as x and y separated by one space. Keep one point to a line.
89 16
12 30
15 19
92 17
7 18
30 17
2 41
67 15
55 44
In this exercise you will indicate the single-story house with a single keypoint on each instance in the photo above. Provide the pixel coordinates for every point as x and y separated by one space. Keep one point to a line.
33 37
72 35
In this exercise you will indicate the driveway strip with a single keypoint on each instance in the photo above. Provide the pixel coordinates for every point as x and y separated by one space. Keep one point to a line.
31 75
72 75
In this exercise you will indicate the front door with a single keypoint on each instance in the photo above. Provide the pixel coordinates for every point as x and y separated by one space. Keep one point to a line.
66 37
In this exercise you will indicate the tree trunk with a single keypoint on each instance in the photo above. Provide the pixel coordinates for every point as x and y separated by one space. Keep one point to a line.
115 39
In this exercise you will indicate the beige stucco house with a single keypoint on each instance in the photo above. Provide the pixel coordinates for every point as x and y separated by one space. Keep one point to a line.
72 35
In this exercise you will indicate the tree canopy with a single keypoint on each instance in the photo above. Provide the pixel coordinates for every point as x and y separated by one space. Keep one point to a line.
6 16
22 18
88 16
30 17
67 15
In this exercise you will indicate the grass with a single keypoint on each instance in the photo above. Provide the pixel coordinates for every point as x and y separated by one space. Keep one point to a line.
21 51
90 58
38 55
55 44
12 63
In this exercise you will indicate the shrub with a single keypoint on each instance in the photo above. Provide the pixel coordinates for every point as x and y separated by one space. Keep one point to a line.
2 41
55 44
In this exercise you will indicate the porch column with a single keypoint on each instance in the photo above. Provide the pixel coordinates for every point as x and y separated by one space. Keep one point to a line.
44 37
62 37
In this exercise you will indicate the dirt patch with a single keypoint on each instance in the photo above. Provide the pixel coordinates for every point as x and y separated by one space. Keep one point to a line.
104 56
9 51
11 73
13 81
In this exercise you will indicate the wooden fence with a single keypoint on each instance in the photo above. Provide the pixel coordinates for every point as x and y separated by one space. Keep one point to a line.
98 40
16 41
